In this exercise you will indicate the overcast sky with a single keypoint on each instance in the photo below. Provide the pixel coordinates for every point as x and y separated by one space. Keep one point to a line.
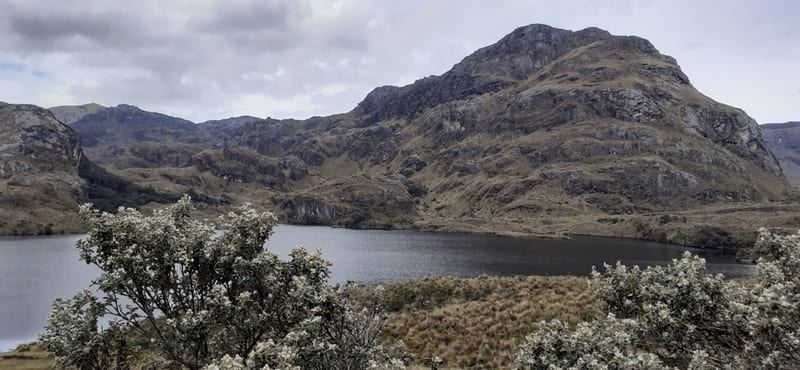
205 60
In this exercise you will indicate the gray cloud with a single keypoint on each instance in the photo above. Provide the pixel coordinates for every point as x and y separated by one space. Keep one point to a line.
297 58
248 16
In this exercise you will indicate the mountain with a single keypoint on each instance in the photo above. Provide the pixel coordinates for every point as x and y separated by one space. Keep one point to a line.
783 139
39 171
71 113
547 131
113 134
44 175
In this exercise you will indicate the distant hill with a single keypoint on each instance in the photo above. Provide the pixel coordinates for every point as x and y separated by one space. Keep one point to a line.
108 135
547 131
71 113
784 140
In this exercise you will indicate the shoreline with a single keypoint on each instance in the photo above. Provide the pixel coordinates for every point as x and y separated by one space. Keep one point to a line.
725 227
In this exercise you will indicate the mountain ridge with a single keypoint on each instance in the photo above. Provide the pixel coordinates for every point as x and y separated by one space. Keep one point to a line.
547 131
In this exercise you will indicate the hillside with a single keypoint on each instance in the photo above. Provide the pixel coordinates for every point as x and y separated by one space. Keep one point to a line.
783 139
44 175
547 131
39 171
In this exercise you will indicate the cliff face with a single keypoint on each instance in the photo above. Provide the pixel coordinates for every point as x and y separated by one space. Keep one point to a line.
33 139
39 170
783 139
545 127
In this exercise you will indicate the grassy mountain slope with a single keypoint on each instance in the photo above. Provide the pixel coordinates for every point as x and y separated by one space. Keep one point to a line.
545 131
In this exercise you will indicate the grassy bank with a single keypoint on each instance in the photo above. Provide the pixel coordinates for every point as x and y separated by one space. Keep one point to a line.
480 322
25 357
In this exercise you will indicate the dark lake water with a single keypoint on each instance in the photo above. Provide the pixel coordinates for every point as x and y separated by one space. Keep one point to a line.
35 270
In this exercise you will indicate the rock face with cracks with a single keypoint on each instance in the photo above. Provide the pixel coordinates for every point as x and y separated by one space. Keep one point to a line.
38 172
783 139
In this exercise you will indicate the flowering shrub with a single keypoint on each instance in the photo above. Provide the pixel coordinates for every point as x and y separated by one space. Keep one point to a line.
606 343
198 298
78 342
680 316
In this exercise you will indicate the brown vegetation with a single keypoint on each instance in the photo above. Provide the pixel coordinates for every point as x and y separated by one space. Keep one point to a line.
25 357
480 322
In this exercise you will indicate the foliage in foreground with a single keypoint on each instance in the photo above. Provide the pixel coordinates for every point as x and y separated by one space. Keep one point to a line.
180 293
680 316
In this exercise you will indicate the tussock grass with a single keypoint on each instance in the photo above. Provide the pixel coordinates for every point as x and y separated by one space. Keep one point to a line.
25 357
480 322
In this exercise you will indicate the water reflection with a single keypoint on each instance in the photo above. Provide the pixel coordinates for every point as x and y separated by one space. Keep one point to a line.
381 256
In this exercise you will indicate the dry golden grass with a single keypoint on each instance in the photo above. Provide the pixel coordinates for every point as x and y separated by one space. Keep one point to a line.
479 323
25 357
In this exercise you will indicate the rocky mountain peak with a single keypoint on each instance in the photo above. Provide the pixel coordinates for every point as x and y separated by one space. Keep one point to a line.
581 111
521 55
31 137
127 107
527 49
377 98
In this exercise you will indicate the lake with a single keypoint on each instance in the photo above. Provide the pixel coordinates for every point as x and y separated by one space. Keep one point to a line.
35 270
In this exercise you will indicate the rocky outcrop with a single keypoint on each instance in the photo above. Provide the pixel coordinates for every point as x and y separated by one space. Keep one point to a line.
33 140
239 165
70 114
734 130
783 139
147 155
309 211
227 124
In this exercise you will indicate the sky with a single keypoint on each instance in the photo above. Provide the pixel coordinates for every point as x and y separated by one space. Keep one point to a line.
203 60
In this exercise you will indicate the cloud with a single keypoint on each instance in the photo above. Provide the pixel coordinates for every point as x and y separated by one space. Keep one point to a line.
200 59
248 16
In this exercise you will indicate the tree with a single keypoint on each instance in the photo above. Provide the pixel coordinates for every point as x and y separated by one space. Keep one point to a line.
198 294
680 316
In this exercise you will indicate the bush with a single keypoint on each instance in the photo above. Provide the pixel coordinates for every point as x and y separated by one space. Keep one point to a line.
196 294
682 316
